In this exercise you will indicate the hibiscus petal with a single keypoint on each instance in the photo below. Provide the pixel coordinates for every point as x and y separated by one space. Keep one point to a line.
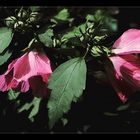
128 67
45 77
38 87
31 64
128 42
22 70
40 62
3 83
30 70
116 82
10 67
25 86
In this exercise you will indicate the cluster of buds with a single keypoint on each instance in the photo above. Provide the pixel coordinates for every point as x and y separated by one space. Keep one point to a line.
98 51
23 20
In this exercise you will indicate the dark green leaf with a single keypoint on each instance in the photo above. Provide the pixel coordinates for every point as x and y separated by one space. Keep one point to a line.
12 95
62 15
64 121
111 114
123 107
90 17
6 36
4 57
46 37
74 32
35 8
99 14
67 83
35 108
111 24
75 41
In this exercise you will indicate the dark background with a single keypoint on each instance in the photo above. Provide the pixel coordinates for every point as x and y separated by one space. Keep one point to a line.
87 116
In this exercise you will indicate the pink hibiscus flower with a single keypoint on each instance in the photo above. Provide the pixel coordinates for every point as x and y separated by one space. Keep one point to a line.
31 70
124 71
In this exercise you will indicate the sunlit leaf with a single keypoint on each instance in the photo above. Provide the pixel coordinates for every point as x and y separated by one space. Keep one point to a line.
123 107
4 57
12 95
33 105
62 15
35 8
67 83
45 37
6 36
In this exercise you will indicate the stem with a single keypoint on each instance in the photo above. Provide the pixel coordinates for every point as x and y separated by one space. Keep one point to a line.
21 8
30 44
86 51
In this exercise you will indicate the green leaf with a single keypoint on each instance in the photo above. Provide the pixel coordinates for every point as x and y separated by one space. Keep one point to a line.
67 83
33 105
123 107
6 36
99 15
35 8
46 37
111 114
74 32
111 24
62 15
12 95
90 17
4 57
64 121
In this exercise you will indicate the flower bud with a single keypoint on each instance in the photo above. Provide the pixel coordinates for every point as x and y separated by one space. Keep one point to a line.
18 24
9 21
22 14
34 16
